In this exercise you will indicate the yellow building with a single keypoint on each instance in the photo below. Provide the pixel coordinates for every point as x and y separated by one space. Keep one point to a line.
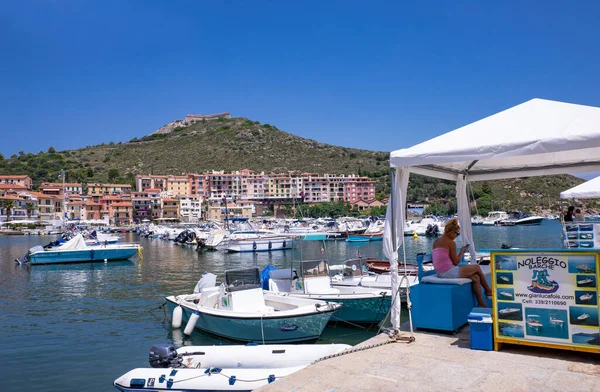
107 189
178 185
231 211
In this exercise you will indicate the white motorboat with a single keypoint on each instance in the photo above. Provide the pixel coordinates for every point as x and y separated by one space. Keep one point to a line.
583 317
584 281
221 368
477 220
264 244
519 218
586 297
258 241
506 294
494 218
75 250
217 239
534 321
359 304
507 311
556 321
429 225
504 278
240 310
583 267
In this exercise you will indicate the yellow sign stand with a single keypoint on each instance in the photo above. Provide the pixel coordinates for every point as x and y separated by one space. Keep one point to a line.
546 298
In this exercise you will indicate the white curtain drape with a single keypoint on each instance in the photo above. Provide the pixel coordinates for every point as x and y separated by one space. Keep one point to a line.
393 234
464 214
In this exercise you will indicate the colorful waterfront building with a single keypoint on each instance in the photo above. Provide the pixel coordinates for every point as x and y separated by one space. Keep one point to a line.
170 208
144 182
22 180
107 189
56 188
178 185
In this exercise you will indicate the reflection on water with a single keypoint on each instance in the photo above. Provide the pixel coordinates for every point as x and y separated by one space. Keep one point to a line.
86 324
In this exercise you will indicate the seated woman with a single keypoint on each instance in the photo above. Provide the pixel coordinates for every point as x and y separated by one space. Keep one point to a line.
445 262
579 217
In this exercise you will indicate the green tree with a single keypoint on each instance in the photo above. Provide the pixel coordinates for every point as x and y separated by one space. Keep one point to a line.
30 207
113 174
8 206
435 208
51 150
90 172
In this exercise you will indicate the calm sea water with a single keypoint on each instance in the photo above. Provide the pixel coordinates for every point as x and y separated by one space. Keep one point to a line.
78 327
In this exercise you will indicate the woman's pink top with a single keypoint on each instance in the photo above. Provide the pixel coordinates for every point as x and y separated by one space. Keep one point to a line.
441 260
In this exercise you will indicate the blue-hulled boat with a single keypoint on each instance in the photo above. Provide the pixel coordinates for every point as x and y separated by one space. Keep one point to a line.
359 304
76 251
240 310
365 237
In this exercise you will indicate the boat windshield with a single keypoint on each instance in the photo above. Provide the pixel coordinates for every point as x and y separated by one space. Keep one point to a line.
314 268
353 267
242 279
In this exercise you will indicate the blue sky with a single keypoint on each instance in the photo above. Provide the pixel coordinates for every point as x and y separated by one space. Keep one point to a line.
372 75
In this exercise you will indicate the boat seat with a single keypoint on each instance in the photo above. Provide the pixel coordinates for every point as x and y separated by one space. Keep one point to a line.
280 285
438 303
434 279
319 285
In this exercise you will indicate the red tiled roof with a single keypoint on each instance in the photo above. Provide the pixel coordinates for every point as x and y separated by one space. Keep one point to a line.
12 186
15 176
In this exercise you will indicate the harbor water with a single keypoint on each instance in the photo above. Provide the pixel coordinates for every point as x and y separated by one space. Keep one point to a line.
78 327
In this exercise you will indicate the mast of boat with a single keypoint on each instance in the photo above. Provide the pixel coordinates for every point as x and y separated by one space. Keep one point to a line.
226 213
64 202
292 268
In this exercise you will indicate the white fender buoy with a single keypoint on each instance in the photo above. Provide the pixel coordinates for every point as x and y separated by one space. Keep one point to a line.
191 324
176 318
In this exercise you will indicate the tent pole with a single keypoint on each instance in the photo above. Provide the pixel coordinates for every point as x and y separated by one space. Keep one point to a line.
395 286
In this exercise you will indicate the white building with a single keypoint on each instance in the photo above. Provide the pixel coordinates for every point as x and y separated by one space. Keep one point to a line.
190 208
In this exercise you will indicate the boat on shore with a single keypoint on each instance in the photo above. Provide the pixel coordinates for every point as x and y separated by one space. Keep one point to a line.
221 368
240 310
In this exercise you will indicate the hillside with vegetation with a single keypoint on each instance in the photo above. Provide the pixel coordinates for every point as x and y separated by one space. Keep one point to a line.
240 143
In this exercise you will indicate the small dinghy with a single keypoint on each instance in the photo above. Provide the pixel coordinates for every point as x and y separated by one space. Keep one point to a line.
221 368
240 310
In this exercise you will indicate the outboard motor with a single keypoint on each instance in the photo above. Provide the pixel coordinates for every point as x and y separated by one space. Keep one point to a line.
432 230
25 258
164 356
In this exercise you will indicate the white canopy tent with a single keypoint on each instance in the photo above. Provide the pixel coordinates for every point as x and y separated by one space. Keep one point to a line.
538 137
588 190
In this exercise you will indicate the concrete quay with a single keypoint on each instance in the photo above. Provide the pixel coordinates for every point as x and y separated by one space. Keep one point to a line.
445 362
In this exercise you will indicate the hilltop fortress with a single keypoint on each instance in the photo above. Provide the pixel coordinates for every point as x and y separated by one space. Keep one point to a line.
189 120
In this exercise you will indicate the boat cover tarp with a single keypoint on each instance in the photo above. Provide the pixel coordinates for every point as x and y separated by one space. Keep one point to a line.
75 243
206 281
588 190
538 137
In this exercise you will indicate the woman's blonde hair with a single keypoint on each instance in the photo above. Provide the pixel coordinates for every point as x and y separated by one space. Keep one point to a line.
451 226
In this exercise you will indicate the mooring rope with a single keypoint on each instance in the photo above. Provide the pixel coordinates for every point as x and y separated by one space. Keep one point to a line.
392 339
